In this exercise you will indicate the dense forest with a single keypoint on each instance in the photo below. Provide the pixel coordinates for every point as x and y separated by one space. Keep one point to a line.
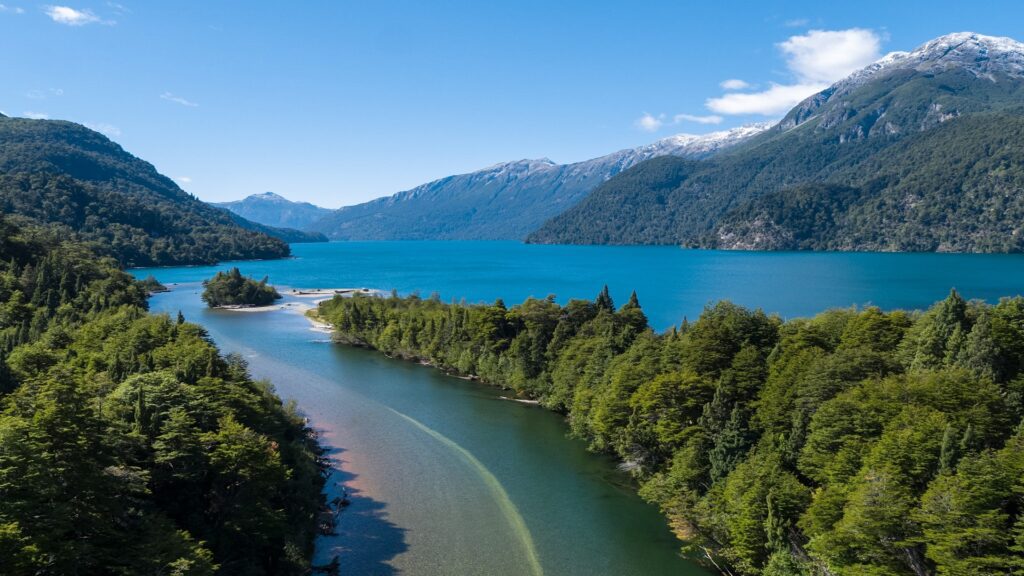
232 289
857 442
63 174
128 445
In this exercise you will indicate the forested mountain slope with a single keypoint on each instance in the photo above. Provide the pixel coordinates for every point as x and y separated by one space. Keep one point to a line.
61 173
920 151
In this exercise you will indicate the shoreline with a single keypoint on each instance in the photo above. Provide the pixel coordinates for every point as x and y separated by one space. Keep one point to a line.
319 294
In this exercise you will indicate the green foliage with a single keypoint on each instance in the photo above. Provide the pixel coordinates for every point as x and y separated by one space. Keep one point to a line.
127 444
232 289
65 175
855 442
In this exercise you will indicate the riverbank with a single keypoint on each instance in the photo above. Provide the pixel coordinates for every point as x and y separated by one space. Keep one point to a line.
565 496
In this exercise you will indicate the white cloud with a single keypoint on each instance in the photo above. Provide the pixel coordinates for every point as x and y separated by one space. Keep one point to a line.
71 17
796 23
828 55
771 102
178 100
734 84
108 130
815 60
184 179
650 123
709 119
36 115
11 9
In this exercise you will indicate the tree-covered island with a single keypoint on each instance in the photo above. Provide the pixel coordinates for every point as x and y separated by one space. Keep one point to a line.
232 290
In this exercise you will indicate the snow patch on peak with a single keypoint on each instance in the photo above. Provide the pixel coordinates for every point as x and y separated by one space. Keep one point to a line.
269 196
972 40
979 54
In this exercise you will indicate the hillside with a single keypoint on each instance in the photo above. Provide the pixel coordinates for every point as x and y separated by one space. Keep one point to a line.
63 174
274 210
508 200
921 151
128 444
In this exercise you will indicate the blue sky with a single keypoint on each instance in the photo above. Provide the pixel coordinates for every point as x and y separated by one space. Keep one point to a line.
340 102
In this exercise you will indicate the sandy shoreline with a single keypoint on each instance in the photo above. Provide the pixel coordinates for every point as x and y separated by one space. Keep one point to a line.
331 292
298 306
317 294
313 297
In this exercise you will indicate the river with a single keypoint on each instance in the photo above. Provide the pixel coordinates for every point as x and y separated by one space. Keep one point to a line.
448 478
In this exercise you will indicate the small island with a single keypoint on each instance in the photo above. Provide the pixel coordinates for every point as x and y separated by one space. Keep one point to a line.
232 290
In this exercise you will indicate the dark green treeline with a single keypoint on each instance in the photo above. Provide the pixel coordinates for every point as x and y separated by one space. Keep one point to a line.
128 445
857 442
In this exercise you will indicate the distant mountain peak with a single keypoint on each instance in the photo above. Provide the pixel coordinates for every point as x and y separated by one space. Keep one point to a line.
268 196
272 209
525 163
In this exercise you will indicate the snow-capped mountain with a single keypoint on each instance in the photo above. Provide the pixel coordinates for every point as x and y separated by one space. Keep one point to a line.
510 199
967 54
275 210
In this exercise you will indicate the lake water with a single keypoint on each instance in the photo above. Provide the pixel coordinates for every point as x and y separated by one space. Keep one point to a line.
448 478
671 282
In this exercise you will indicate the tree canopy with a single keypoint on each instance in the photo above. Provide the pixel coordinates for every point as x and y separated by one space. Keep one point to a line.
232 289
128 445
855 442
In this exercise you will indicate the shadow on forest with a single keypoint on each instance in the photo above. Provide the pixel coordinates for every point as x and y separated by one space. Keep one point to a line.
364 540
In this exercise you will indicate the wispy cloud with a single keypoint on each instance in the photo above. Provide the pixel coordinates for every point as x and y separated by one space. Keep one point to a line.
649 122
12 9
118 8
184 179
796 23
734 84
36 115
815 60
178 100
44 94
108 130
709 119
72 17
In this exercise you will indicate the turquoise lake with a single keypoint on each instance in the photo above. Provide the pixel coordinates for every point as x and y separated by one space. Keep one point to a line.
448 478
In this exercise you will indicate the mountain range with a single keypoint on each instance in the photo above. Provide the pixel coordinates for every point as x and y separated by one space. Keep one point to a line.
920 151
506 201
64 175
